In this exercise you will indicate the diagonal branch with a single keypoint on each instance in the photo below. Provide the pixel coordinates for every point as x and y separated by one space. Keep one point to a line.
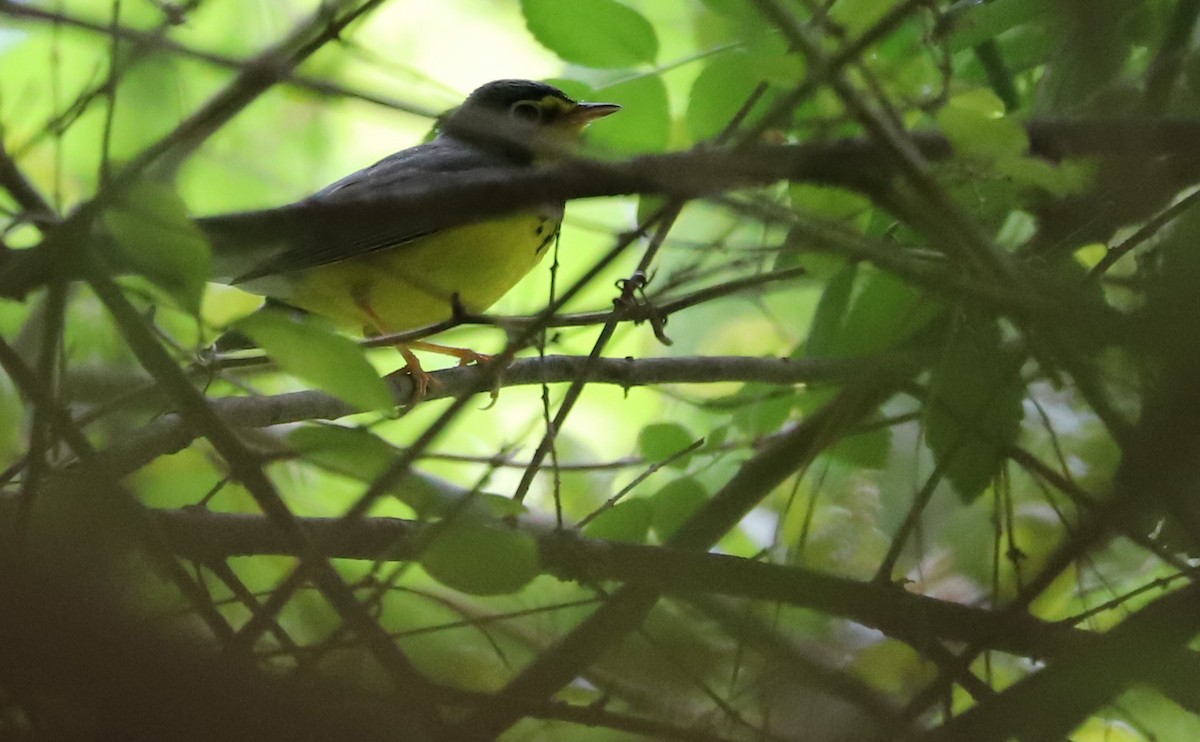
628 607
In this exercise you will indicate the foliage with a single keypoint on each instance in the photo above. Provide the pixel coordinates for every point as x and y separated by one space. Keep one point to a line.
870 413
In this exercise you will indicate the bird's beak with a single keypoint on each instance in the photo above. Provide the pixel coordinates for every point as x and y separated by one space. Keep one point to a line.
585 113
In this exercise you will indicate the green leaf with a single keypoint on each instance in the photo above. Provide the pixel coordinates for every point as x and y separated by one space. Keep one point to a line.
867 450
627 521
644 123
12 408
829 203
1058 179
592 33
1156 715
323 358
155 238
972 22
893 665
733 9
724 20
674 504
762 408
859 15
818 266
574 89
831 311
224 305
714 442
660 441
353 452
482 559
725 84
976 127
974 408
884 314
364 456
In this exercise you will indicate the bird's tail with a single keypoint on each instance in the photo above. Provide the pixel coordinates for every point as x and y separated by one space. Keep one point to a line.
239 243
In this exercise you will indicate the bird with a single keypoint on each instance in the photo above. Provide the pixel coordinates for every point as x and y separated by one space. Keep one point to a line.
379 276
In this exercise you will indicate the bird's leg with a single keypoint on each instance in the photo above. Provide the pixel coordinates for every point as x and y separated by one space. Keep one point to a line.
465 356
421 378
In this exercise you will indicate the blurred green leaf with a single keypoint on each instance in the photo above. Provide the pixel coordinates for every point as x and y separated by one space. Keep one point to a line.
323 358
734 9
156 238
674 504
831 312
592 33
859 15
644 123
893 666
763 408
660 441
353 452
575 89
976 127
725 84
974 408
627 521
1154 716
714 441
12 433
868 450
1058 179
972 22
829 203
481 558
361 455
818 266
884 313
223 305
1108 730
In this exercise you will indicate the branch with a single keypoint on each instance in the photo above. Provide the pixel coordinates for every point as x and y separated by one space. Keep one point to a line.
912 618
245 467
1147 646
471 196
171 433
204 535
628 607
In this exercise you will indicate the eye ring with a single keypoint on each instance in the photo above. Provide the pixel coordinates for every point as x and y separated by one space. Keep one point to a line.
526 111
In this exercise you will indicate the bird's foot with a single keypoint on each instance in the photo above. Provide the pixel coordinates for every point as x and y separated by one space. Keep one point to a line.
421 379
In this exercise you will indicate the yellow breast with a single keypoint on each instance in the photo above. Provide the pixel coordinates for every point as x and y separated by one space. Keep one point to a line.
413 284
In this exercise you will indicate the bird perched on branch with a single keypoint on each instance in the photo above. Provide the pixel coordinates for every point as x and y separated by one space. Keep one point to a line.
390 277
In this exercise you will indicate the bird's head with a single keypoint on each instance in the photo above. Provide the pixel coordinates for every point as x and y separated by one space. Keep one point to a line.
523 117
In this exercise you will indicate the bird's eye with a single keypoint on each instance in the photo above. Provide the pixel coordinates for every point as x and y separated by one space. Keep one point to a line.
526 111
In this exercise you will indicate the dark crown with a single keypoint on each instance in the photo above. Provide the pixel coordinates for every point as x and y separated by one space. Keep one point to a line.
499 95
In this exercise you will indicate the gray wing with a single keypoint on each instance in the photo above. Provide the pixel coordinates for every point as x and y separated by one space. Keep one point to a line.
315 232
441 157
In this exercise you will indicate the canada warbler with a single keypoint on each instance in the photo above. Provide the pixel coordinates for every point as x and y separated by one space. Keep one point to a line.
391 277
